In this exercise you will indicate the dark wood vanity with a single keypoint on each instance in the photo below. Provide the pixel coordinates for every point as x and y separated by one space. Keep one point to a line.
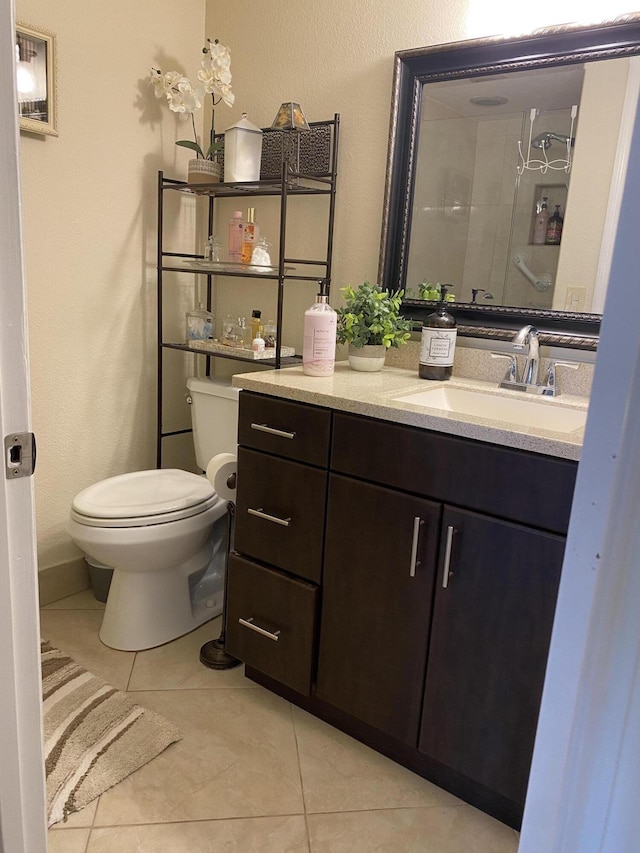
400 583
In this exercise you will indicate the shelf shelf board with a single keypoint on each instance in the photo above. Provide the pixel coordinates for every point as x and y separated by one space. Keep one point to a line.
241 273
308 185
288 361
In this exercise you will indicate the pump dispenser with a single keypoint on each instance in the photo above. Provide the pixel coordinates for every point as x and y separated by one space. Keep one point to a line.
438 344
320 325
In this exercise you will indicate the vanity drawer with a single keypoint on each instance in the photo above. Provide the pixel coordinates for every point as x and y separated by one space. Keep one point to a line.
512 484
294 430
280 507
271 622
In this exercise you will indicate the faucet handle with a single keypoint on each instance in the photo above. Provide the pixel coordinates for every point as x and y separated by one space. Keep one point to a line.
512 371
551 388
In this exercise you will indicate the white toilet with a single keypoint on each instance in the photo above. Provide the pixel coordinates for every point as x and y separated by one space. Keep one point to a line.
164 532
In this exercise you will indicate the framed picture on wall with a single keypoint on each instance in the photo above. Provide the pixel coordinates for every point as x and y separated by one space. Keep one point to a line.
36 79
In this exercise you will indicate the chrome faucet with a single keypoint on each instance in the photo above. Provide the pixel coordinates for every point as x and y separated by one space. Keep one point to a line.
528 337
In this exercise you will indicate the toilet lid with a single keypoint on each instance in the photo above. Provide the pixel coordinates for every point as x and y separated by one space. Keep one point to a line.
144 494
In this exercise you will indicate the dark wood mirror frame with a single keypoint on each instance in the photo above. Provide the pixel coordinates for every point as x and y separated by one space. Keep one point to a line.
555 46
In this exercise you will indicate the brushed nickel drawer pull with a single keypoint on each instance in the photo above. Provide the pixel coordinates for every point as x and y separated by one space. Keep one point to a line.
249 623
260 513
417 524
272 431
447 556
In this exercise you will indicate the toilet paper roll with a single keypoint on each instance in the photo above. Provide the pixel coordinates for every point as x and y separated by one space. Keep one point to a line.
221 473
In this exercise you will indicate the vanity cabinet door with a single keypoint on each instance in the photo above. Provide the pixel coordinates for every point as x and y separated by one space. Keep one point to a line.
378 577
488 651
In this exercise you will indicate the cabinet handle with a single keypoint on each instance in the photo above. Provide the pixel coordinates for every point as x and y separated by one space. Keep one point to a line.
249 623
447 556
417 524
272 431
260 513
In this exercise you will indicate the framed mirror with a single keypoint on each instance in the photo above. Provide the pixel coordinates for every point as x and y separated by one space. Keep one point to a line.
36 79
504 177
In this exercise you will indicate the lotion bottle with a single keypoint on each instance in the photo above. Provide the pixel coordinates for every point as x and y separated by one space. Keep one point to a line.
320 326
234 246
438 345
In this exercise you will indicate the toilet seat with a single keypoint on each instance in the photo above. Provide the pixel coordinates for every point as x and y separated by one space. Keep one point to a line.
143 498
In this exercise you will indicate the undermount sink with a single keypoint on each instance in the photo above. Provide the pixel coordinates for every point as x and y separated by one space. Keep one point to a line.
529 412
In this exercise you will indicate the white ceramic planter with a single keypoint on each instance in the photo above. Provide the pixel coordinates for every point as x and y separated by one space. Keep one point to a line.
369 358
203 172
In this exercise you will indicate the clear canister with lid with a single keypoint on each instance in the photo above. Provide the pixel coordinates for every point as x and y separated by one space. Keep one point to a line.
200 324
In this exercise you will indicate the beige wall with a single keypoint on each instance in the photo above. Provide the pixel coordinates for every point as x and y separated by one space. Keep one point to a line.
90 196
89 229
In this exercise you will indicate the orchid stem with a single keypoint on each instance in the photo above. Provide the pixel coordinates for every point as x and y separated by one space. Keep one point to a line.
193 124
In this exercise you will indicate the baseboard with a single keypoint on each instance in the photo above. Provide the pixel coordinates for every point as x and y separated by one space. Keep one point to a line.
62 580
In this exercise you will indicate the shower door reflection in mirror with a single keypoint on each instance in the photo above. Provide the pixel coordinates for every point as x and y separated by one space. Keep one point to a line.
496 155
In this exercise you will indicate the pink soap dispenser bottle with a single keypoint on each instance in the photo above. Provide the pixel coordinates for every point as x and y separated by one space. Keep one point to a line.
320 326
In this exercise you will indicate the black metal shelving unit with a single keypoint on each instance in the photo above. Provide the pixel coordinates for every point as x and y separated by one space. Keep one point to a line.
317 156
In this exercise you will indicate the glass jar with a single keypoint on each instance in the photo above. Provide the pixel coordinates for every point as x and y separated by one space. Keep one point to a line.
269 334
200 324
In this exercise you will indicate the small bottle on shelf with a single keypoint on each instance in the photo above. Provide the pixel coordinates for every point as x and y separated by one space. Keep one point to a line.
227 335
255 324
250 235
270 334
437 348
212 252
554 228
540 220
257 344
236 229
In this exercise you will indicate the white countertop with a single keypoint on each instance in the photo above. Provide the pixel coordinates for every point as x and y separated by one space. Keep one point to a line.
372 394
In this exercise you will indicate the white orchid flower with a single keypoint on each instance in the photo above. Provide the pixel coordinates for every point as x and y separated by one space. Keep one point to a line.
164 83
217 84
184 99
220 54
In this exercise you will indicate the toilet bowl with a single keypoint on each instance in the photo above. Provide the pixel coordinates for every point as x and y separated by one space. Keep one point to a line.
157 529
164 532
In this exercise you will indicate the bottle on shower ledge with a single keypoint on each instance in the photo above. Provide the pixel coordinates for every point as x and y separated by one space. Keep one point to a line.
554 228
540 221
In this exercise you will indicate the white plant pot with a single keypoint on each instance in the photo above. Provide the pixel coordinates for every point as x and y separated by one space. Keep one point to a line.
368 358
203 172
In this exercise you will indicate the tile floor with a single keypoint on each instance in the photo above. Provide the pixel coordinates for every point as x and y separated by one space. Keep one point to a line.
252 774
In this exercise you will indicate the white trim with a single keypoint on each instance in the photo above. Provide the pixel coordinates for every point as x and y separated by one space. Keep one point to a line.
585 776
618 177
22 798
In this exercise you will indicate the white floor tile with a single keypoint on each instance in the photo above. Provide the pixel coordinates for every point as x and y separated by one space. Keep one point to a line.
177 666
237 758
255 835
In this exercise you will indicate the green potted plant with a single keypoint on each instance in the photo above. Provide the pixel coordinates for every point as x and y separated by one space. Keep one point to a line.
370 323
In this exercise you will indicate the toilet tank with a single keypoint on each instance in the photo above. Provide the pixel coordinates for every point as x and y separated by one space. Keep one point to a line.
214 418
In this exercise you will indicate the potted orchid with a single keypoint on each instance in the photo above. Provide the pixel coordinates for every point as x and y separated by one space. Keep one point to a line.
214 78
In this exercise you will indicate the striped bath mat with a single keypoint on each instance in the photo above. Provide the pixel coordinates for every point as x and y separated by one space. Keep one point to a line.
94 735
